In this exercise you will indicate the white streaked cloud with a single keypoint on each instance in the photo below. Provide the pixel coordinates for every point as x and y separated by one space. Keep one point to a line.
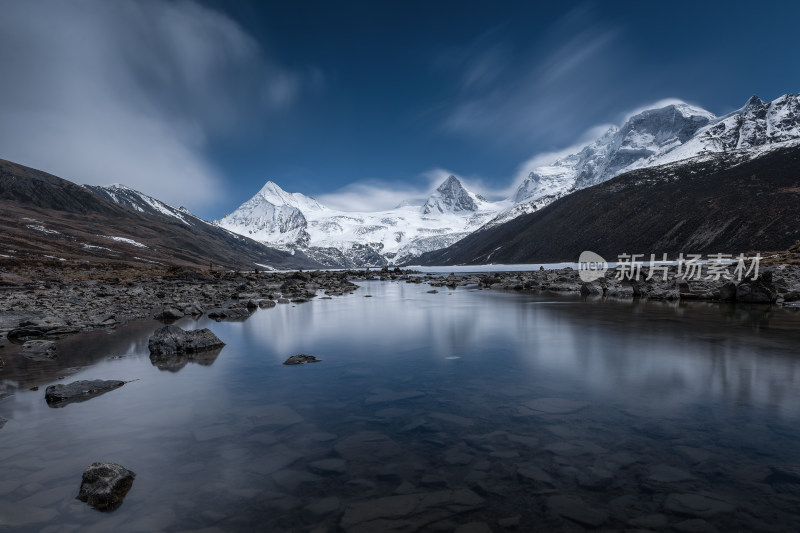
132 91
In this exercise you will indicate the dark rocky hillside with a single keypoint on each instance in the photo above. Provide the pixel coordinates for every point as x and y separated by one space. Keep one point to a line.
46 217
729 203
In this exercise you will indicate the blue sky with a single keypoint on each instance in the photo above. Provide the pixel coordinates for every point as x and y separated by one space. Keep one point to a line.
359 104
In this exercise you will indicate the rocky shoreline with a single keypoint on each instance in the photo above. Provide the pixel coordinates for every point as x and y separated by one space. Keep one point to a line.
43 303
777 284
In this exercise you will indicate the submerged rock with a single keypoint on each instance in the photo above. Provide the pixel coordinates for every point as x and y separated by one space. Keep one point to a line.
22 334
552 406
39 350
408 512
78 391
573 508
3 422
301 359
171 340
784 474
105 485
701 505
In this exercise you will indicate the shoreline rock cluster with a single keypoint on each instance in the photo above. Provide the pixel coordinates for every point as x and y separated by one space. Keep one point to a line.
38 313
778 284
43 305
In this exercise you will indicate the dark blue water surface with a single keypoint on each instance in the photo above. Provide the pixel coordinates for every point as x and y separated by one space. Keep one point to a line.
459 411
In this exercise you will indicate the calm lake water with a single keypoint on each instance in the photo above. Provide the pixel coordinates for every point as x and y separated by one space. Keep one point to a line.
464 409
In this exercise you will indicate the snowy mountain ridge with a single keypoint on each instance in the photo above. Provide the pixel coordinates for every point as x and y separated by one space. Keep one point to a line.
652 137
656 137
345 238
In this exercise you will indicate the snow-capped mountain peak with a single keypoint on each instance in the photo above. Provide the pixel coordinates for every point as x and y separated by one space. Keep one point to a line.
272 193
664 134
450 197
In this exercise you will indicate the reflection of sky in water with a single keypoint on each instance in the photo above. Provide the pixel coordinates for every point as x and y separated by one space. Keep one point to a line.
672 353
188 434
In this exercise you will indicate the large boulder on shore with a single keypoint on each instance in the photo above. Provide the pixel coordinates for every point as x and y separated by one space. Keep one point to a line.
756 292
104 485
172 340
78 391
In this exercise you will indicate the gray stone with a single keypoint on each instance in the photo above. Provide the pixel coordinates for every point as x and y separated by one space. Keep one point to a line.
694 525
510 522
755 292
276 460
473 527
453 419
702 505
696 455
534 473
573 508
301 359
289 479
591 289
668 474
574 448
556 406
3 422
275 415
266 304
104 485
367 445
530 442
172 340
228 313
784 474
328 466
324 506
39 350
457 458
595 478
169 313
652 521
60 395
408 513
389 396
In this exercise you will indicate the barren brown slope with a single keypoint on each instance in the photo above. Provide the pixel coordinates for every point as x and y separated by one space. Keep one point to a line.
721 205
43 215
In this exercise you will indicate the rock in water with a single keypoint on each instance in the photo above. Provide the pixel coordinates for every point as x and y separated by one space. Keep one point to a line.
301 359
39 350
78 391
104 485
172 340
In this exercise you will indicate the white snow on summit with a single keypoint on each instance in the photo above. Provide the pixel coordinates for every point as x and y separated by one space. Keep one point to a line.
290 220
672 132
659 136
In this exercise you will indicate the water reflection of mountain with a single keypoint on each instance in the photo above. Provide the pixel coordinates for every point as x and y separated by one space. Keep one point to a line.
666 350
